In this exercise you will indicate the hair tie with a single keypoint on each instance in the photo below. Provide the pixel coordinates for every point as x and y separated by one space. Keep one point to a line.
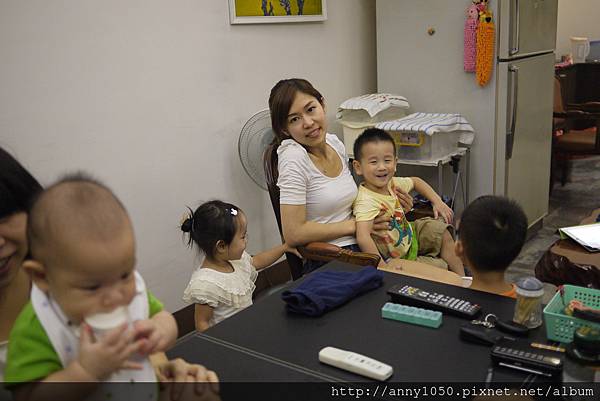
187 222
232 211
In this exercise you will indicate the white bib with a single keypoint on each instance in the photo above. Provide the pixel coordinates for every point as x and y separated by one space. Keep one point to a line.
65 340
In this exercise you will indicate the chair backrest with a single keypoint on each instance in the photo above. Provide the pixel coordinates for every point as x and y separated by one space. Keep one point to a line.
558 97
270 164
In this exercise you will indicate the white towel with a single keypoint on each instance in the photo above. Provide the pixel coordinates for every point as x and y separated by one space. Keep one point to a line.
373 103
432 123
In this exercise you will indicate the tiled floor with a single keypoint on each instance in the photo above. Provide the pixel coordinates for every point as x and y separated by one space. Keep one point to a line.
568 206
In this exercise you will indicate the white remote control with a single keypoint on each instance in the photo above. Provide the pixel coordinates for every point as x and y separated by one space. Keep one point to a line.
355 363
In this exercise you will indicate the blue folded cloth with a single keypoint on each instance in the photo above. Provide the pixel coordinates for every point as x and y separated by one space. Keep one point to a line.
322 291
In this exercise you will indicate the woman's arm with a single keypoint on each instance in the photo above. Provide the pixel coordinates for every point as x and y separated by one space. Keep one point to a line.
202 315
364 239
439 207
298 231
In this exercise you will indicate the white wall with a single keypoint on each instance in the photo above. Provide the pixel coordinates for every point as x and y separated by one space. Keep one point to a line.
427 69
576 18
150 97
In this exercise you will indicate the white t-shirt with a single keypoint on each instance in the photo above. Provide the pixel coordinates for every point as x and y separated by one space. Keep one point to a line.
327 199
226 293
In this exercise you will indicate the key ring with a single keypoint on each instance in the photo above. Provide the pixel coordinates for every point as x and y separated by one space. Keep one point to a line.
489 321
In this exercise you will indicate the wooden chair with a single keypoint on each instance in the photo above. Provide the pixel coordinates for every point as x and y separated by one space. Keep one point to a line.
321 251
568 142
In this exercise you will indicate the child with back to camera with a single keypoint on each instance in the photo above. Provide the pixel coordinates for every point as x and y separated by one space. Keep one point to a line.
492 231
426 240
82 264
224 283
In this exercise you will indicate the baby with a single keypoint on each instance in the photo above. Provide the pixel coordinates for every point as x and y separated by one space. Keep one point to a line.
82 263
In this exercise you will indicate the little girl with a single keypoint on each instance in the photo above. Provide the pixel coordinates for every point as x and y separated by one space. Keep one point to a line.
224 284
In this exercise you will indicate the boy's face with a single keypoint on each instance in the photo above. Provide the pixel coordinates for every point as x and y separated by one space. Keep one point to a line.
377 164
92 276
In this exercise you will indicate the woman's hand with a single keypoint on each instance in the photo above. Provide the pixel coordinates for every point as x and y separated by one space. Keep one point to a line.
176 372
406 201
443 210
380 223
291 249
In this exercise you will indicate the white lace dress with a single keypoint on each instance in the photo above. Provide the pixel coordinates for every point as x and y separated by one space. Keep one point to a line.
226 293
3 349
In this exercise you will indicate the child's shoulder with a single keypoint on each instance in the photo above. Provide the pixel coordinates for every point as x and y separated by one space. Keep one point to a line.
364 194
27 321
404 183
31 355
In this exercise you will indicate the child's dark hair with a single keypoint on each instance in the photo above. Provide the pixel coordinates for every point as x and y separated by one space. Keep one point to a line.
492 232
371 135
18 188
209 223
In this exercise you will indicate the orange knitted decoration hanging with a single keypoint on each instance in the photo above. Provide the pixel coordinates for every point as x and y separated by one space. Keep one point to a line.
486 37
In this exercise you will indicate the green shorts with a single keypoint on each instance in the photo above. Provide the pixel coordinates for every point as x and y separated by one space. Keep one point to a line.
429 232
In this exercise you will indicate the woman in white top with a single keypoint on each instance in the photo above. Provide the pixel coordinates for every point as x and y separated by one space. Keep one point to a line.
315 182
17 189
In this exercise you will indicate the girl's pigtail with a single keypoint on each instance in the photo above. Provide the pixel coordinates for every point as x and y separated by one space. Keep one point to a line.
187 225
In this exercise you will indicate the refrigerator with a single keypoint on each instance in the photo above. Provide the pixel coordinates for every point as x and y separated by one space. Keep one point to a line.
420 56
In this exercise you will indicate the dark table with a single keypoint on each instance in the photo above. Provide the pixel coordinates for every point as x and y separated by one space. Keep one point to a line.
264 343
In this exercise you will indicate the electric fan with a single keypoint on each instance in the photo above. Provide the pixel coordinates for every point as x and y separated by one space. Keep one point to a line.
255 136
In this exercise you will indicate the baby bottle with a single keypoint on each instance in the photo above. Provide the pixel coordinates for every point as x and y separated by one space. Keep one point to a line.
101 323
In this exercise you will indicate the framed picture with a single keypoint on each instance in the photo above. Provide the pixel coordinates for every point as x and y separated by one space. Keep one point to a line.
269 11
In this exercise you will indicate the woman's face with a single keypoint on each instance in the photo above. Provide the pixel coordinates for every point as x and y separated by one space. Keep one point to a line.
13 246
306 122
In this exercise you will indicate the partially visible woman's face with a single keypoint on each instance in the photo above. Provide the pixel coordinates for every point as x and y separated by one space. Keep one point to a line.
13 246
306 122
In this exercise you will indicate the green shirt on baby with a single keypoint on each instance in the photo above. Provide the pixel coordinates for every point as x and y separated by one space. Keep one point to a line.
31 355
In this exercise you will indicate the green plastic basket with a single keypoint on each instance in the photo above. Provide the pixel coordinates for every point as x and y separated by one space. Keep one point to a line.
561 327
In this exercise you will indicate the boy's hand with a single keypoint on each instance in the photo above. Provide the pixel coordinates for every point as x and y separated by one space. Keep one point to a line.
102 357
153 337
443 210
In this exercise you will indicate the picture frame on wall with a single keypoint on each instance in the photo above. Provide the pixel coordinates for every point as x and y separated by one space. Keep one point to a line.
276 11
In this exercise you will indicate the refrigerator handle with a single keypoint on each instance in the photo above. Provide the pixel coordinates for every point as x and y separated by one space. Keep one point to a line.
513 71
515 22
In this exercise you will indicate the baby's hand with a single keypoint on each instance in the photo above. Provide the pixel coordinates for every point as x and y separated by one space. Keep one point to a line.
153 338
102 357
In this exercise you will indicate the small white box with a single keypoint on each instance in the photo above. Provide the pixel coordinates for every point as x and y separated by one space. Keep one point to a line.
420 146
